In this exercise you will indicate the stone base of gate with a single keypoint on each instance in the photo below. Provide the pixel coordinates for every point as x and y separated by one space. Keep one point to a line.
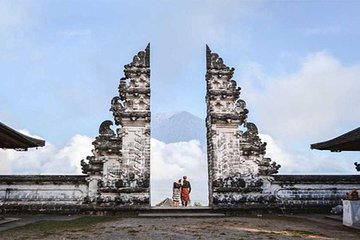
128 200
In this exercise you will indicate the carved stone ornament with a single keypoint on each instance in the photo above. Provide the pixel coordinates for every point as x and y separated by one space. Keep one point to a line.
133 102
142 59
236 154
214 61
119 170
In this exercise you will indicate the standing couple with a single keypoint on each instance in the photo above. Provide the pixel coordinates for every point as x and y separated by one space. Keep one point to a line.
181 191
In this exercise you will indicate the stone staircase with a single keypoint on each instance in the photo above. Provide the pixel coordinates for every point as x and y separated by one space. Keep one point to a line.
196 212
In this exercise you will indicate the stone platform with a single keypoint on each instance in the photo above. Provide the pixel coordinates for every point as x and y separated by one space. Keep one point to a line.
8 220
196 212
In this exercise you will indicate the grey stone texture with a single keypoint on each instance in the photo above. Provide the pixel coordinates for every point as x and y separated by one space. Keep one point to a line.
119 170
41 193
238 169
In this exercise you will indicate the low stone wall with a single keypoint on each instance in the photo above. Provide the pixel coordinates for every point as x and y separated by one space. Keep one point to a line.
69 193
281 192
312 191
38 193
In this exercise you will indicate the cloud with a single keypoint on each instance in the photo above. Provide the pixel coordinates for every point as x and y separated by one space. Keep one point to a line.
26 132
48 159
312 104
179 157
309 162
277 153
309 104
75 33
170 162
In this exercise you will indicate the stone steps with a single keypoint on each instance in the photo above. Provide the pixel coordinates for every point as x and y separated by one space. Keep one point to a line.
179 214
158 212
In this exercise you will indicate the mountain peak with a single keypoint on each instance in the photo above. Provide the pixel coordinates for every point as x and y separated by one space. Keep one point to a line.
178 127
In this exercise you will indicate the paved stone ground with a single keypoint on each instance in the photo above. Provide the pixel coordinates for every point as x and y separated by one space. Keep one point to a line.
25 219
248 227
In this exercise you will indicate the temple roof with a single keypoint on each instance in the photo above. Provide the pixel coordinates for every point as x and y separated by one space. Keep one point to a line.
12 139
349 141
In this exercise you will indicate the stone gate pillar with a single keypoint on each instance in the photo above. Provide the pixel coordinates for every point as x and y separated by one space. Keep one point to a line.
119 170
239 172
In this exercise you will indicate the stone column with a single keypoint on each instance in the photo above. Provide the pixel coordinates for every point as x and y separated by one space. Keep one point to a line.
120 165
238 170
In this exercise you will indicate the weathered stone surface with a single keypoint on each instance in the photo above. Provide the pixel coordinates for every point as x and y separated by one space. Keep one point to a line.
42 192
238 170
309 191
119 170
240 176
351 213
316 179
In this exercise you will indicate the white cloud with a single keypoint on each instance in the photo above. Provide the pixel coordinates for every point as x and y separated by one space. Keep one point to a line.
309 162
310 103
27 133
277 153
315 103
4 166
48 159
180 158
170 162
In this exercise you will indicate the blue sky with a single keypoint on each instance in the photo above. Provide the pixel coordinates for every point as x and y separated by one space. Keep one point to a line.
298 63
61 60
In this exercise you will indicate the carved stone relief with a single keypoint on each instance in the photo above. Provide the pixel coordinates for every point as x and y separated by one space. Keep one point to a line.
237 166
120 165
119 170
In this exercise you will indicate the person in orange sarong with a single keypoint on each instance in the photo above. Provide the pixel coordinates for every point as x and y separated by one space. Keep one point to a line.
185 192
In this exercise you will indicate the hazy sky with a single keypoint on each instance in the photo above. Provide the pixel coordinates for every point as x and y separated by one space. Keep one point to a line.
298 63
